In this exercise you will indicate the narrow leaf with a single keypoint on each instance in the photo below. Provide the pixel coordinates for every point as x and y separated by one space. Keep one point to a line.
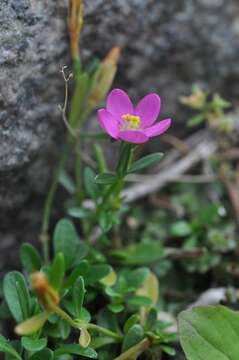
76 350
105 179
7 348
145 162
57 271
17 295
78 294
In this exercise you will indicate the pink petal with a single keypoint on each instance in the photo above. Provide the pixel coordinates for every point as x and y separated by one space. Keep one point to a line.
118 103
159 128
108 123
133 136
148 109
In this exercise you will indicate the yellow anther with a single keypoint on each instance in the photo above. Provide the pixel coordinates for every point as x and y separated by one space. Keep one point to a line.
132 121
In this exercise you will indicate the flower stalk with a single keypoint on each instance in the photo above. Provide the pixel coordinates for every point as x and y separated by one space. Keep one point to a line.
75 23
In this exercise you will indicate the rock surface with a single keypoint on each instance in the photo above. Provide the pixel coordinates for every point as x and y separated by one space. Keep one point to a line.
167 45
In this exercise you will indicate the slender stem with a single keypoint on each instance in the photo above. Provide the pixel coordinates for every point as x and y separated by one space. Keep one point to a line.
94 327
78 161
135 351
125 158
64 316
117 185
102 166
104 331
49 202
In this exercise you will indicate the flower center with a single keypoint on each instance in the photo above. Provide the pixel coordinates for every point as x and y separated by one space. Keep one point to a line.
130 121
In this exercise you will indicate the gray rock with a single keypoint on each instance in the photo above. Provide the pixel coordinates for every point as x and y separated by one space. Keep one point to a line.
167 45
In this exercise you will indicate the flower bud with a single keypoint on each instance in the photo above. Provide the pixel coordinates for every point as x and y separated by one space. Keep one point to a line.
104 77
45 293
75 23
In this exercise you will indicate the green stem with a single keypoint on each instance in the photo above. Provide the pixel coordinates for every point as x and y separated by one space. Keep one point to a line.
117 185
62 314
49 202
102 166
104 331
125 158
135 351
78 160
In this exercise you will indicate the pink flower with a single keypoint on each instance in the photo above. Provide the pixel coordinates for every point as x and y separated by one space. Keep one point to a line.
135 125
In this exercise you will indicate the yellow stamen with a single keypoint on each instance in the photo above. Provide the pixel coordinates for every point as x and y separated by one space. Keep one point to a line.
131 121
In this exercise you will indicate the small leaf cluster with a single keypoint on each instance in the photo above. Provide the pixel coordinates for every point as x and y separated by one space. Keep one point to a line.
97 311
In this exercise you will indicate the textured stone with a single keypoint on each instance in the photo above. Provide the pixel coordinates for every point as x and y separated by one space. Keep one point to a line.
167 45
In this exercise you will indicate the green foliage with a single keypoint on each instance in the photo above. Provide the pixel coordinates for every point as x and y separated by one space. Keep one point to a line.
139 254
7 348
133 336
210 333
57 271
30 258
33 345
119 274
78 293
145 162
17 295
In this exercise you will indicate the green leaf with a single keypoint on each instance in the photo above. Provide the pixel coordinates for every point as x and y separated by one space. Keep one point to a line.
110 279
7 348
65 240
45 354
101 341
82 250
196 120
115 308
210 332
132 320
168 350
151 319
17 295
105 179
91 187
78 294
145 162
66 181
96 273
133 337
137 277
80 93
33 345
139 254
80 270
60 329
76 350
30 258
57 271
139 301
79 212
181 228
